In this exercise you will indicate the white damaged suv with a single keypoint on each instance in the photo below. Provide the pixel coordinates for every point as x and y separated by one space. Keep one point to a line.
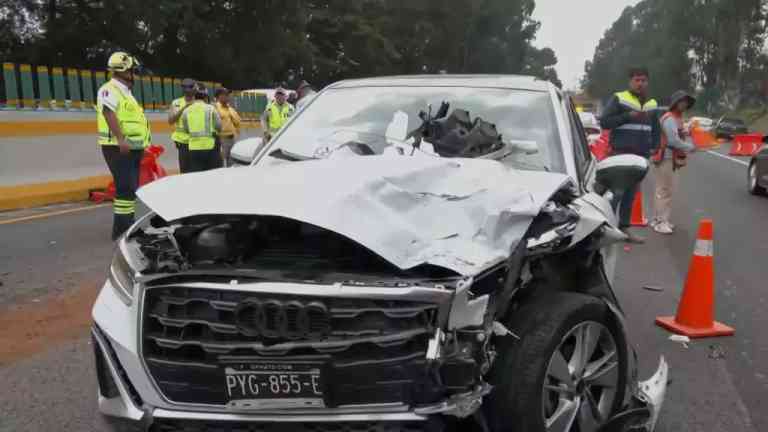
408 253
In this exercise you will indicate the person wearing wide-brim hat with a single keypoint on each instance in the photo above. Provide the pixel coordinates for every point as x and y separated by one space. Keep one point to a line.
669 158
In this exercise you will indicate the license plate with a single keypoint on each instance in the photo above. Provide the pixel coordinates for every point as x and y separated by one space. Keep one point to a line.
260 385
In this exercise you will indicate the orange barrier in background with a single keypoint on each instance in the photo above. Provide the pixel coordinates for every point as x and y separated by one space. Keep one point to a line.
150 171
746 144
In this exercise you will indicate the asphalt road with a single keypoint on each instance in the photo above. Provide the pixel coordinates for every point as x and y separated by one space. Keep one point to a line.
51 267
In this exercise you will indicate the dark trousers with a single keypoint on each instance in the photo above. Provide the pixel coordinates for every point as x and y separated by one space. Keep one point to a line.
625 206
203 160
183 156
125 172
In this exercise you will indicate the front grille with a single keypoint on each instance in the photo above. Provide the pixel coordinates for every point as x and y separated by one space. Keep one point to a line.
201 426
374 351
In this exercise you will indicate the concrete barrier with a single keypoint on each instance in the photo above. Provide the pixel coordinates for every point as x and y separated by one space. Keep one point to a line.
50 157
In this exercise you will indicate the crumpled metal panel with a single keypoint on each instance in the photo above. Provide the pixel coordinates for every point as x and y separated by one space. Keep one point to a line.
461 214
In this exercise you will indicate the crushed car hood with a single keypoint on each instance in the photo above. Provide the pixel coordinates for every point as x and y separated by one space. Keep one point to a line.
460 214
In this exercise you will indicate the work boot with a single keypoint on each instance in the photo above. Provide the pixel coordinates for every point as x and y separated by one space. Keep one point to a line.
120 224
633 238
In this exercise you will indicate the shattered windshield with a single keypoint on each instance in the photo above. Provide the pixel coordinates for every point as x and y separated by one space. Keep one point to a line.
383 120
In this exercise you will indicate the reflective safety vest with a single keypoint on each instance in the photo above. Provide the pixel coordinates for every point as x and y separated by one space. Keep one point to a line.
679 157
130 118
198 123
278 115
179 134
635 136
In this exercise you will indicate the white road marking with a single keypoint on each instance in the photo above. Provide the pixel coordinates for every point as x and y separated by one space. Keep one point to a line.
55 213
738 161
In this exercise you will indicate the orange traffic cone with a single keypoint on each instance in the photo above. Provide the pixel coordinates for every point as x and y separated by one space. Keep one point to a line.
695 313
638 215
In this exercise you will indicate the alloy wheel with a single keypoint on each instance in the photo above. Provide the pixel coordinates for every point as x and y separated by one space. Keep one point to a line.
581 380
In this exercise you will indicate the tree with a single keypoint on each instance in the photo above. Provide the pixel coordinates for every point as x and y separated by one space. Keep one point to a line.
715 46
246 44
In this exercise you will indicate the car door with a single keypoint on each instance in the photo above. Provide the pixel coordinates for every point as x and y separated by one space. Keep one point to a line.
594 209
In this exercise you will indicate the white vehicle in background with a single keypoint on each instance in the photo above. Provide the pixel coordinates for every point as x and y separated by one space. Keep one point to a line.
705 123
245 150
591 126
418 253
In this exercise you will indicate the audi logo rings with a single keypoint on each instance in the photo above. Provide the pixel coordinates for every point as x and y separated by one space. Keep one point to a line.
277 319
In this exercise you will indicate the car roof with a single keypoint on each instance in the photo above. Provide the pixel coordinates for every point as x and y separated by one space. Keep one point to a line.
521 82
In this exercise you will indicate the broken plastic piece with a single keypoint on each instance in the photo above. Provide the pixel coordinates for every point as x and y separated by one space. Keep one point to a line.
466 312
434 346
716 352
500 329
685 340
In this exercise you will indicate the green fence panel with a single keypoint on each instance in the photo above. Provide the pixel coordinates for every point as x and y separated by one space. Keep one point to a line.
167 91
245 107
100 77
176 88
87 77
252 106
157 92
240 104
261 102
11 89
73 81
44 87
59 91
27 89
146 88
138 91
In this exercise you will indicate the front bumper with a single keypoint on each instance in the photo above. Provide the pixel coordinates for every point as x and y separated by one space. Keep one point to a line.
137 399
127 406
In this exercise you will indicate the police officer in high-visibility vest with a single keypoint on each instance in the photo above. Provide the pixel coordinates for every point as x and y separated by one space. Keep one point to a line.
276 114
123 135
179 137
201 122
633 119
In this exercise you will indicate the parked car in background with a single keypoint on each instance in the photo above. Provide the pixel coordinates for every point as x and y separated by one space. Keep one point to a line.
704 123
757 177
406 253
727 127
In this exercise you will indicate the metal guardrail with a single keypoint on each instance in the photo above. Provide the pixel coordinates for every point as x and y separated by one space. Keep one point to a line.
45 89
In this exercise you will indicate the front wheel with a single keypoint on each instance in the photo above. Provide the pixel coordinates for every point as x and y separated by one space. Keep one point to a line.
568 373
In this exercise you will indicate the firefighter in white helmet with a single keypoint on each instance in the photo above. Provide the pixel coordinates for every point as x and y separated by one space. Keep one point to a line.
123 135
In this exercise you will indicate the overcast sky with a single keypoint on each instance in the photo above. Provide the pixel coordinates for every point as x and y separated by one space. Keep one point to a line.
573 29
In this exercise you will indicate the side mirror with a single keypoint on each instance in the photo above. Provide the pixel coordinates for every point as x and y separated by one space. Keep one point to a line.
617 174
244 151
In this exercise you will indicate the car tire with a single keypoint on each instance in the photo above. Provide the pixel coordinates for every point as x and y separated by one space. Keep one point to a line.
753 187
549 329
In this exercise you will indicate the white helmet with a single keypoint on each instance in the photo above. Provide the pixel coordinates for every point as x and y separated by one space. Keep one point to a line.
122 62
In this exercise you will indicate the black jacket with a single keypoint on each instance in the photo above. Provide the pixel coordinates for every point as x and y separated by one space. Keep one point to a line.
627 135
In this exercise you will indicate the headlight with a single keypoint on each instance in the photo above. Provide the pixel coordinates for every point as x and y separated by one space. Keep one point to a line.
121 276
